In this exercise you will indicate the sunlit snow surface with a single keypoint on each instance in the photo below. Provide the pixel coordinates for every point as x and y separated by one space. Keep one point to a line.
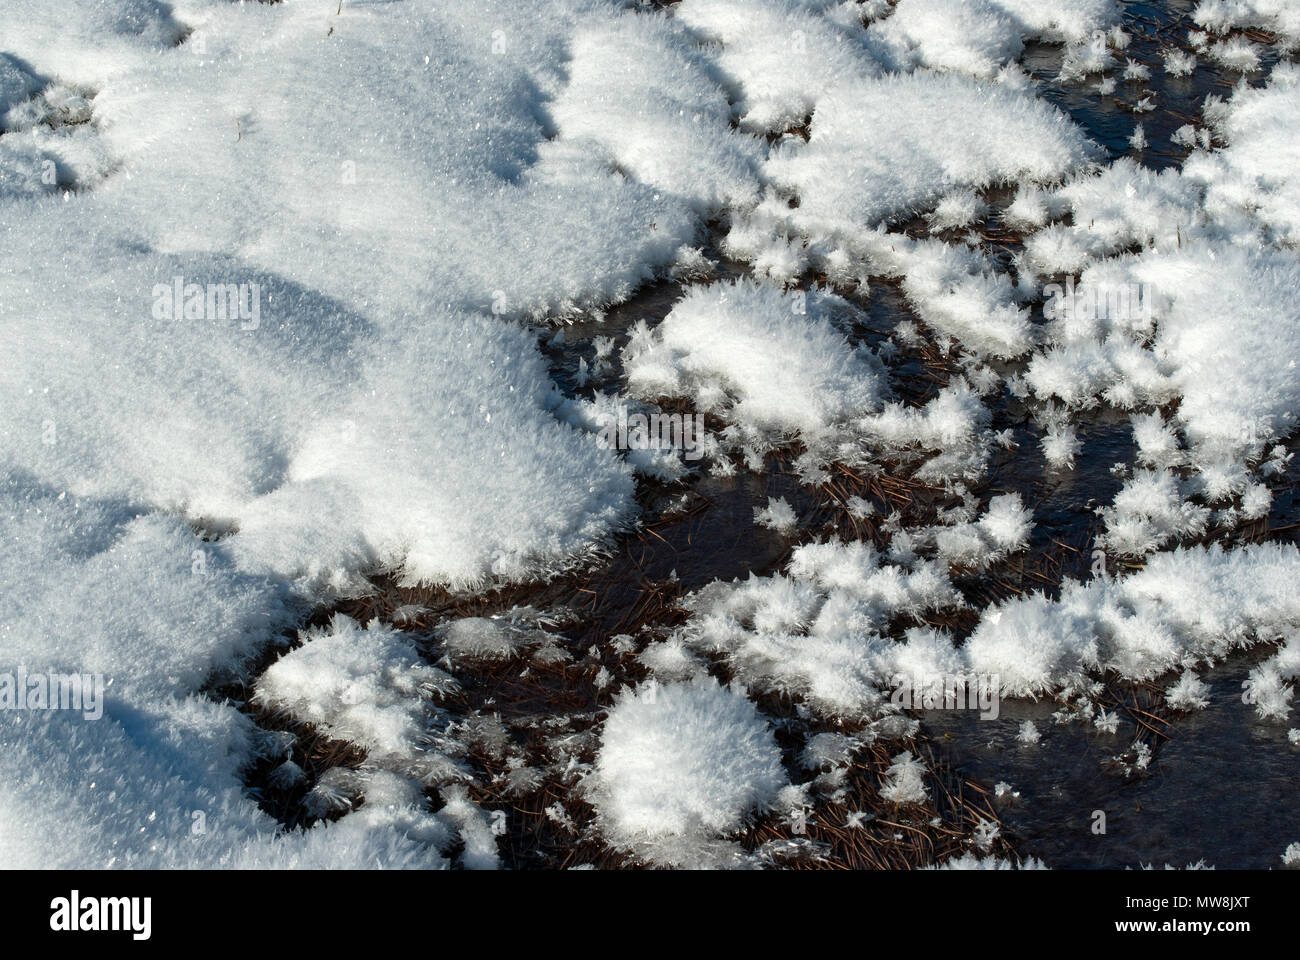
269 281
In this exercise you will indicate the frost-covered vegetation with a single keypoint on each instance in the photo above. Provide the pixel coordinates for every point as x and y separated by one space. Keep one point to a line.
320 319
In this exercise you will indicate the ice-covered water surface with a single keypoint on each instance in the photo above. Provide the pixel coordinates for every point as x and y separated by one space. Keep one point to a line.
268 277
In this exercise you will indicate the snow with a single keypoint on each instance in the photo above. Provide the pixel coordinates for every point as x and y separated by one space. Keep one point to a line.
1087 56
1123 204
1188 693
1279 16
190 611
943 133
368 686
48 140
952 423
957 293
783 56
17 83
1061 21
1007 523
1237 54
374 412
1179 64
395 192
671 660
317 436
638 86
819 631
314 495
91 41
778 515
1060 445
1255 172
905 780
779 56
683 761
1185 606
970 861
957 210
767 360
480 851
967 36
1149 511
1201 314
478 638
1228 336
1271 685
153 783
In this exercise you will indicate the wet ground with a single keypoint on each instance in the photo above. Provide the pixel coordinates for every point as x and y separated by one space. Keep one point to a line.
1220 788
1221 784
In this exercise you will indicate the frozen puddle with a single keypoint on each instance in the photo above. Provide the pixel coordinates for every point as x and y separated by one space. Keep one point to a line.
488 437
1218 768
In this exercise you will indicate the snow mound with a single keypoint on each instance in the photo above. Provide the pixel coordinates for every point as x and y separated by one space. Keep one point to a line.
1061 21
91 41
328 444
1280 16
882 148
957 293
153 782
772 361
1113 209
368 686
965 36
1254 174
781 56
1230 335
637 85
1185 607
683 761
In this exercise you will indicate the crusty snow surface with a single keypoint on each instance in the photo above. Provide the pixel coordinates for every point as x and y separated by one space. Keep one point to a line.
272 278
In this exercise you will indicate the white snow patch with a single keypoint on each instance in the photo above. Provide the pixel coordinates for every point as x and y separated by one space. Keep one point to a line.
881 148
1184 607
367 685
682 762
772 361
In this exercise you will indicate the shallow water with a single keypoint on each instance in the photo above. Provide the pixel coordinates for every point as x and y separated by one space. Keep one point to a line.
1221 789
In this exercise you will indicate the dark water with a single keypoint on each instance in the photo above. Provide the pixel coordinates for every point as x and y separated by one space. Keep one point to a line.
1110 120
1221 789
